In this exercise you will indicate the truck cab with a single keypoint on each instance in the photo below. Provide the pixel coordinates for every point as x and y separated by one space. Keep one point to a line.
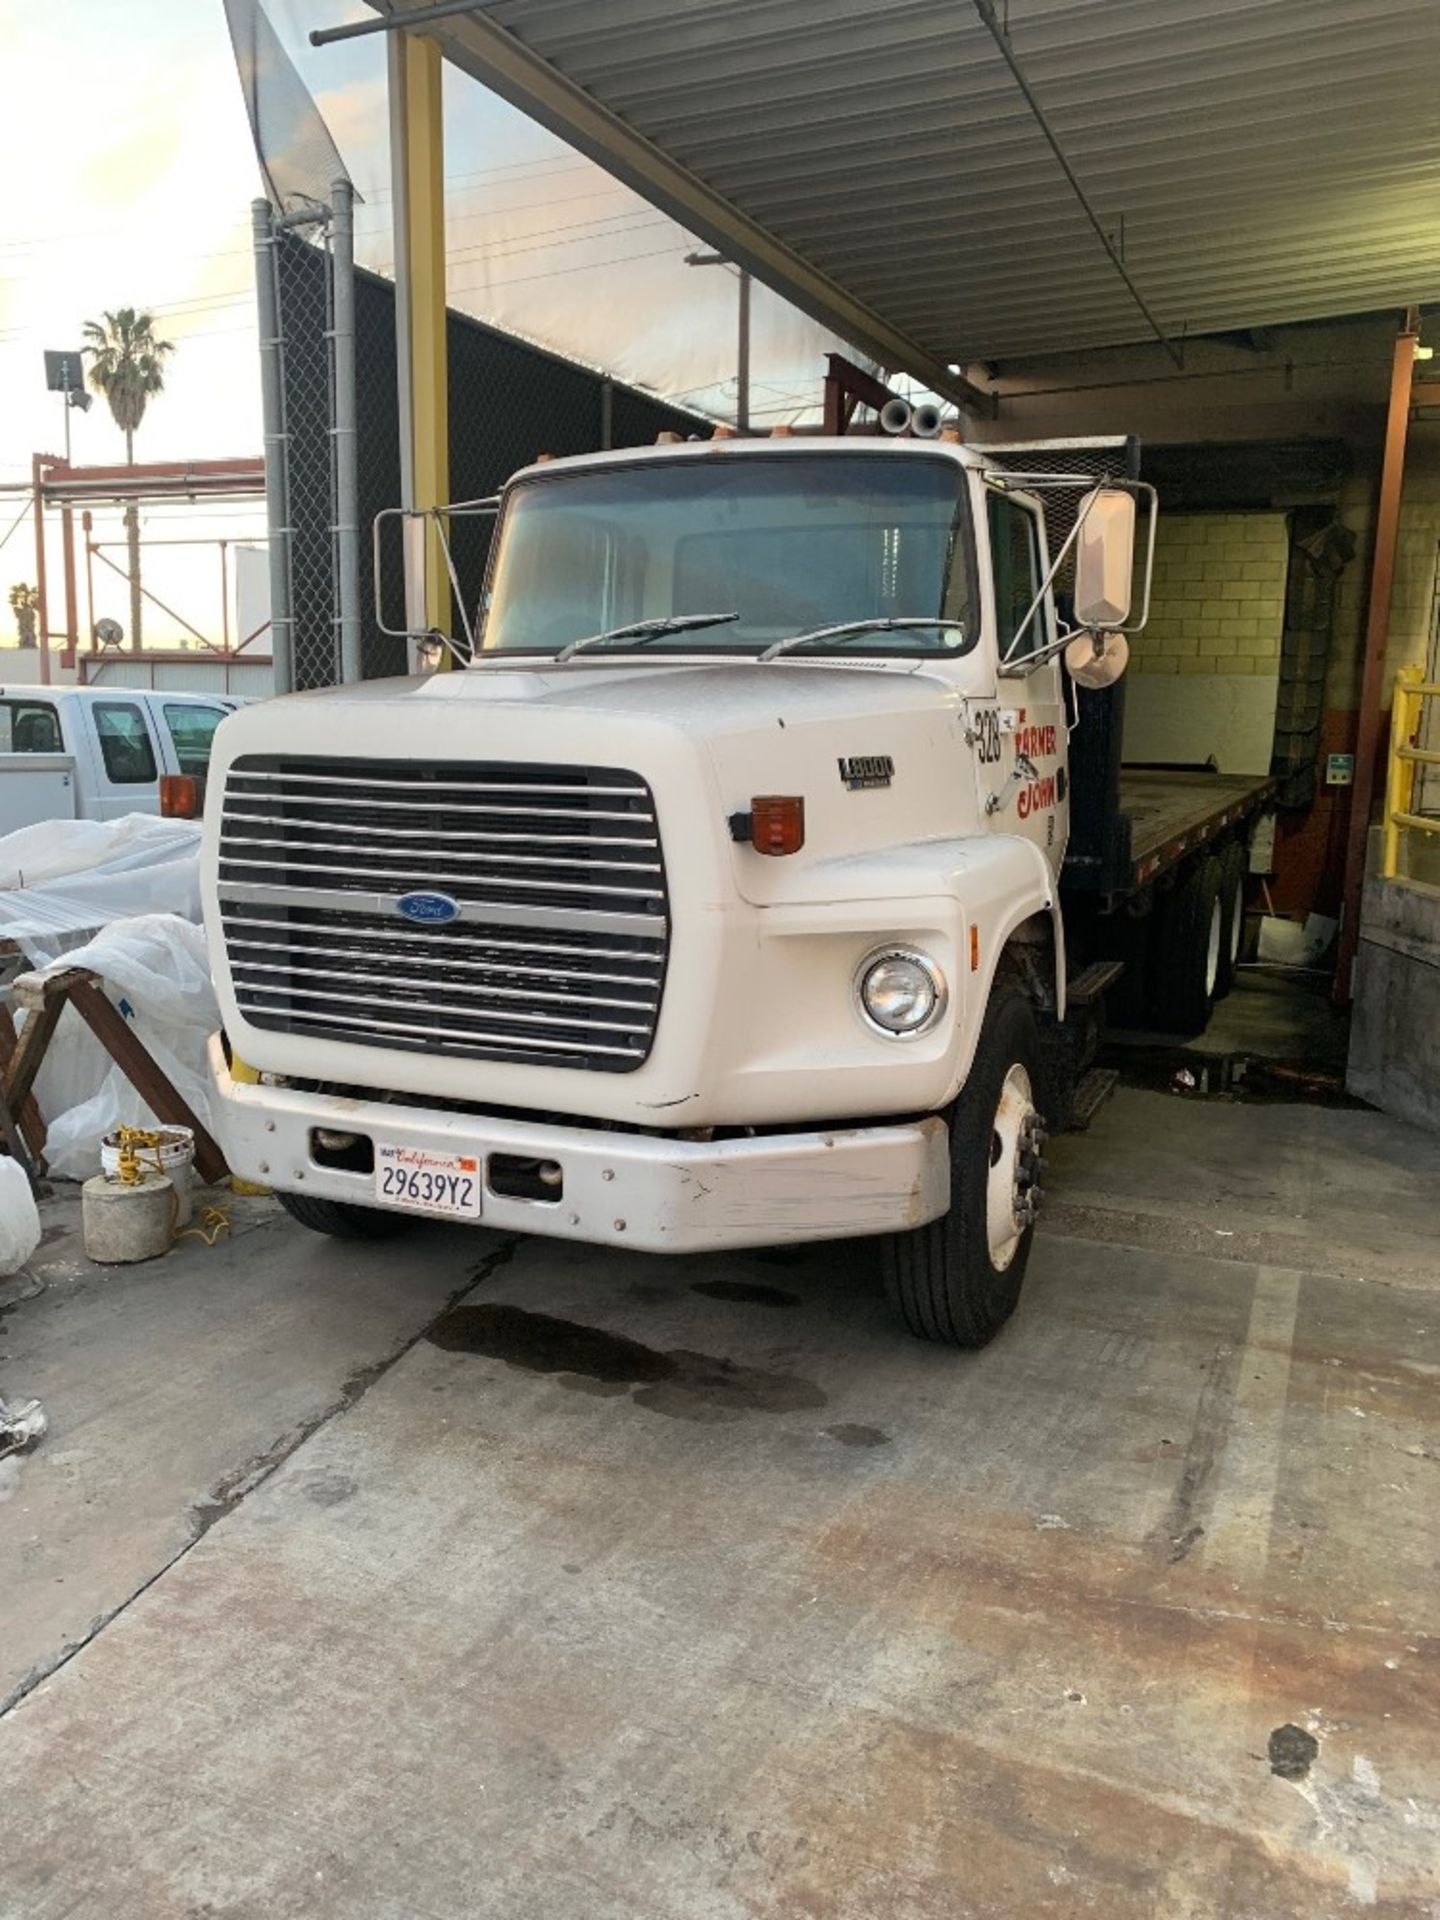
715 903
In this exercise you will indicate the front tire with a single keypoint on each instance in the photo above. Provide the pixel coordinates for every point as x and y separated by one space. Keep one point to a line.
341 1219
958 1279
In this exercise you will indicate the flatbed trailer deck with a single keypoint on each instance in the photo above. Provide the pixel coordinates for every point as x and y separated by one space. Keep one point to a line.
1174 811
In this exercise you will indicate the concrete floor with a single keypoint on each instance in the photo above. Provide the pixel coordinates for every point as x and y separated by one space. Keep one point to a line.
695 1590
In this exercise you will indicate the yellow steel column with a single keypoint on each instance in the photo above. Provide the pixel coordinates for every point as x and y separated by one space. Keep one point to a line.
418 173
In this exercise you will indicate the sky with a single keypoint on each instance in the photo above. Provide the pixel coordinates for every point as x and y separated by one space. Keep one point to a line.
132 172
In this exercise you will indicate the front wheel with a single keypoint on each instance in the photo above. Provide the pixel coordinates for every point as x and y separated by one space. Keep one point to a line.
957 1280
342 1219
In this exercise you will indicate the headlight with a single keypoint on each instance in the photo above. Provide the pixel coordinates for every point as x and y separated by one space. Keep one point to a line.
901 991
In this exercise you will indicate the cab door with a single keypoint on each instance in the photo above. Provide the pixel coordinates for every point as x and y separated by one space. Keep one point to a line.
125 757
1022 741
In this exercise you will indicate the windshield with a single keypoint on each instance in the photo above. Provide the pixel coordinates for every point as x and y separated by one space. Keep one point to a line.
786 542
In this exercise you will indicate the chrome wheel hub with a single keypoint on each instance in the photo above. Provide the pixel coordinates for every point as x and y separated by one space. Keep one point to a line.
1017 1161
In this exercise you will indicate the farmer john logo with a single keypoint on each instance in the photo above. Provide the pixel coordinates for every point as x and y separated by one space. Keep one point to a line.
1036 796
1035 742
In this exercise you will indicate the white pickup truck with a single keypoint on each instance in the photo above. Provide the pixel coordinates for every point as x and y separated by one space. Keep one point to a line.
717 903
94 753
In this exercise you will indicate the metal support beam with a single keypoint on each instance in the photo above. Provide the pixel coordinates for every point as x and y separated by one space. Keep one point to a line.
495 57
1377 634
417 163
272 403
846 387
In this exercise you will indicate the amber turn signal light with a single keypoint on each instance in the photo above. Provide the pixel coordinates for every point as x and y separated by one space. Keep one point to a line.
777 823
181 796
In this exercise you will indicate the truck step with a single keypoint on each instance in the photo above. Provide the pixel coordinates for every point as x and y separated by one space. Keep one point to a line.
1088 985
1093 1091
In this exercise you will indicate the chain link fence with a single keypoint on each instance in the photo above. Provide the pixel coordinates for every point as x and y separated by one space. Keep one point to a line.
305 298
509 401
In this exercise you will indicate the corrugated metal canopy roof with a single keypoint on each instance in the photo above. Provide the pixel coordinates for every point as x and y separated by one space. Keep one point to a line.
1257 161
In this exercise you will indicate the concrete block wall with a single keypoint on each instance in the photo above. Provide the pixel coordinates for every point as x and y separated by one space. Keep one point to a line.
1205 671
1218 601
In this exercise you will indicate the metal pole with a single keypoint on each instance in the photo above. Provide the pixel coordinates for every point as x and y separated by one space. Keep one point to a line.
72 597
404 356
277 446
225 605
607 415
87 526
401 21
347 487
742 372
43 609
1377 633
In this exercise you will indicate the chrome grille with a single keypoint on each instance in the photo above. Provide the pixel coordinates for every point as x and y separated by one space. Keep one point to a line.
557 956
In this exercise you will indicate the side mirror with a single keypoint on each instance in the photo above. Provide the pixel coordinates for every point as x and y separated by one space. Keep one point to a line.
1097 659
1104 558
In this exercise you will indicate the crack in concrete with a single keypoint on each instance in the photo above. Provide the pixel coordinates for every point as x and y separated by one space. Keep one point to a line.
235 1487
1104 1224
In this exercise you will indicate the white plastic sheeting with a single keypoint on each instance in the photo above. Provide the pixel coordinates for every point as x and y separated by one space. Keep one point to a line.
63 879
19 1218
157 971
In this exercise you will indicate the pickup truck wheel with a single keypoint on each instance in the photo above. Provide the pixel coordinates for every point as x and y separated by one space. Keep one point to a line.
341 1220
958 1279
1234 871
1188 947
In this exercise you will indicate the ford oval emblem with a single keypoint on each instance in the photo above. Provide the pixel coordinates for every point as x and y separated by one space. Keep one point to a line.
428 909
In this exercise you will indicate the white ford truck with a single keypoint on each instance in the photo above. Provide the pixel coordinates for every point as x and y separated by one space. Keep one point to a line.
717 902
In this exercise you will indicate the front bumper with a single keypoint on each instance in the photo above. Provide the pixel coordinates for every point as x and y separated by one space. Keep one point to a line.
650 1191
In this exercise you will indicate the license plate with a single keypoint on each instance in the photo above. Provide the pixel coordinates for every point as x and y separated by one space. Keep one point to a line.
446 1183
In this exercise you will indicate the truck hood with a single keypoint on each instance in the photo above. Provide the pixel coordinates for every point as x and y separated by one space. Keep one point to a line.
703 700
877 752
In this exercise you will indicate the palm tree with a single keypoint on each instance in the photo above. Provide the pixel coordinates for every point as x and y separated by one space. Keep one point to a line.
25 604
127 366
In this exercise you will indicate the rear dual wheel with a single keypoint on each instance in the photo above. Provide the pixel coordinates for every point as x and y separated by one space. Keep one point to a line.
1189 943
1234 872
958 1278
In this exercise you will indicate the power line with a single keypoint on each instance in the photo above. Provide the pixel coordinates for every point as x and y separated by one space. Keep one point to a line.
591 266
371 194
28 506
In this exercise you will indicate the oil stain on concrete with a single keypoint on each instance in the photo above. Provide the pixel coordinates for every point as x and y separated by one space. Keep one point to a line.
583 1359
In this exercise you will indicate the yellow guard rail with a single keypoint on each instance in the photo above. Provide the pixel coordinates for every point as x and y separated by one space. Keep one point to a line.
1406 714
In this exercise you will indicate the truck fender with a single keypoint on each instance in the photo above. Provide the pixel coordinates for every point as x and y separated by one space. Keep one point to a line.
1009 883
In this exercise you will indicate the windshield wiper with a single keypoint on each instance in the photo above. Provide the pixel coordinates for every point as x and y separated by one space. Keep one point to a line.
646 630
848 628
